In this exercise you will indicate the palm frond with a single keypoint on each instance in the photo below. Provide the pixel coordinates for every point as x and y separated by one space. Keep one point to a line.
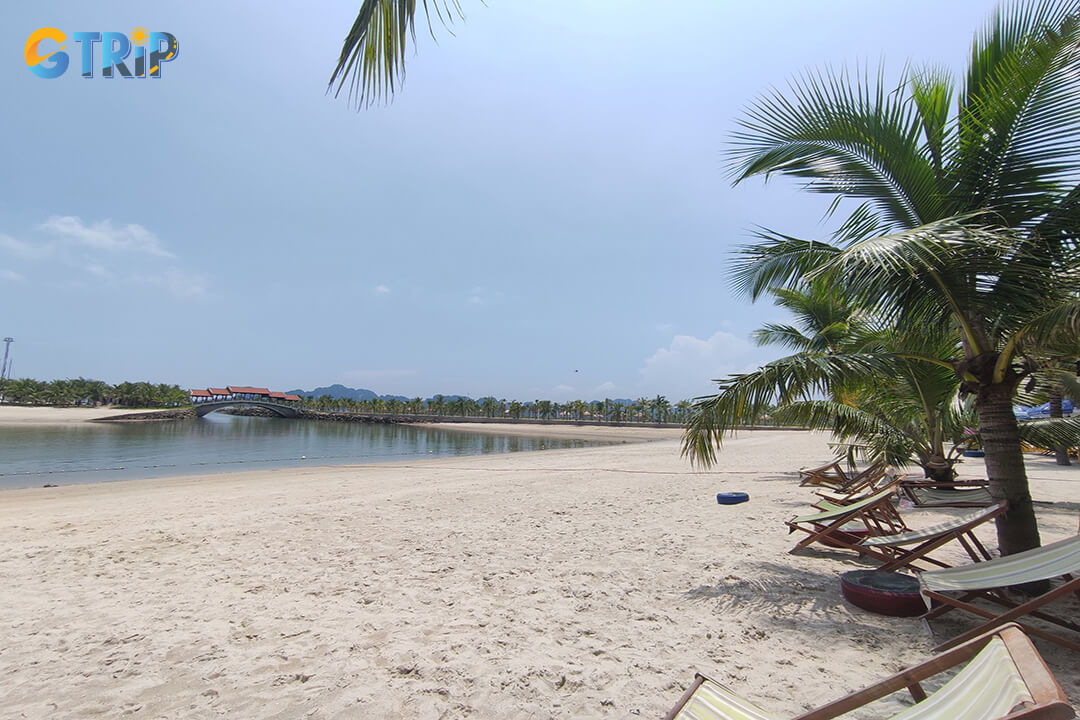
880 438
1019 121
783 335
948 271
1045 327
372 59
848 136
744 398
932 91
1051 432
778 260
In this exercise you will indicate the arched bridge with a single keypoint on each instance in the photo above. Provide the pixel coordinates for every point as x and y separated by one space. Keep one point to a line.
209 406
211 399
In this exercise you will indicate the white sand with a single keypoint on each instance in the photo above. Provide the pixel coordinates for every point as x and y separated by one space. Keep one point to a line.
563 584
19 415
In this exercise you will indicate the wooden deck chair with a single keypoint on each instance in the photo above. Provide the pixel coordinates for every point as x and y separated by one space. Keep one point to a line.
829 475
924 493
1005 677
847 525
866 486
833 475
896 551
989 581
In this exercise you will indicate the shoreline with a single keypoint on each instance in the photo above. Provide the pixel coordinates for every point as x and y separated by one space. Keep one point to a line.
575 583
28 415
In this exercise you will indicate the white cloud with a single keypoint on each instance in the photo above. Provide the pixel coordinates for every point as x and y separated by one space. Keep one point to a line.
10 276
23 249
99 270
604 388
382 290
685 368
104 255
104 235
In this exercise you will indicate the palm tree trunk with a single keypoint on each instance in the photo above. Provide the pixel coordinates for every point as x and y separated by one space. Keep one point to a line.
1061 453
1016 529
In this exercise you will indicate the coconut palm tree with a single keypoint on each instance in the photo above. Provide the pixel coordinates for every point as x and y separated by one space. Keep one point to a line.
963 220
911 410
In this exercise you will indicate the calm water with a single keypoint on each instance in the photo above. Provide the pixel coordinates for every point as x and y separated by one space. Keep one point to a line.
101 452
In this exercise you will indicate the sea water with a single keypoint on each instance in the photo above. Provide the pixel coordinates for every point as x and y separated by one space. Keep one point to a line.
37 455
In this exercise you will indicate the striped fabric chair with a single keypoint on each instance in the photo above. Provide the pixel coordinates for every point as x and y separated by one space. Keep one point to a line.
930 494
847 525
1004 678
990 581
905 549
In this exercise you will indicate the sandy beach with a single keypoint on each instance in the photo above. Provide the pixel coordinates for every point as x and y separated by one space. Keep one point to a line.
20 415
588 583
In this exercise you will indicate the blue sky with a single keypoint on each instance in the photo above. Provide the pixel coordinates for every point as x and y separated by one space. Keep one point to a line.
544 211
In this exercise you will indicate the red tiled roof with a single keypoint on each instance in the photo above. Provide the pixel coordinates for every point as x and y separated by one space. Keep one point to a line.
199 393
219 391
278 395
293 397
238 390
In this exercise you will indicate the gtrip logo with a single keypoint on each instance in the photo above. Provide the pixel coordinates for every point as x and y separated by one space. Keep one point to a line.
114 50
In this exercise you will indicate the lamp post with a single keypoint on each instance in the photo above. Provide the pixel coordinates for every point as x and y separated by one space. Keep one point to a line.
4 367
7 348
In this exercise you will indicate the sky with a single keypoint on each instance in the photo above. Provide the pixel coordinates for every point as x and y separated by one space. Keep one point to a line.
544 211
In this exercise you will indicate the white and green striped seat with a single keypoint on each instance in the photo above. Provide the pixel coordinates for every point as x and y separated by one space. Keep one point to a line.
713 701
1042 563
912 537
937 497
1003 675
989 686
836 511
990 580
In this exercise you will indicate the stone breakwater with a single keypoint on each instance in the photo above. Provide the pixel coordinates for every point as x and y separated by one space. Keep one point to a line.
177 414
361 417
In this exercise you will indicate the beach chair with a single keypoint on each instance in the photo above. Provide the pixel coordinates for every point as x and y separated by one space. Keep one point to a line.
1005 677
990 580
833 476
925 493
905 549
829 475
847 525
867 485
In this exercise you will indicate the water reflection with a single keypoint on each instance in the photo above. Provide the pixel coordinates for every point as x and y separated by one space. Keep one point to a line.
65 454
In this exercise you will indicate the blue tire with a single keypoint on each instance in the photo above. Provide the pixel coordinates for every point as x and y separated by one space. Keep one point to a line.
731 498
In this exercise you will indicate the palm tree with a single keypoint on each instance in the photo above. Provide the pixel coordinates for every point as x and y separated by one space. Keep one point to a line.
911 410
964 221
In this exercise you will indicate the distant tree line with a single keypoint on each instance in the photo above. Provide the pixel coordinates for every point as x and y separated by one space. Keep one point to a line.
89 393
645 410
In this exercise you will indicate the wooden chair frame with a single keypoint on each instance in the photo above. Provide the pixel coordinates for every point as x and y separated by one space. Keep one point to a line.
1014 611
878 516
897 557
1049 700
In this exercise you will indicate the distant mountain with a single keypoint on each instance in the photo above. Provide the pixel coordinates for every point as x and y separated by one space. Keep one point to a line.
340 391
